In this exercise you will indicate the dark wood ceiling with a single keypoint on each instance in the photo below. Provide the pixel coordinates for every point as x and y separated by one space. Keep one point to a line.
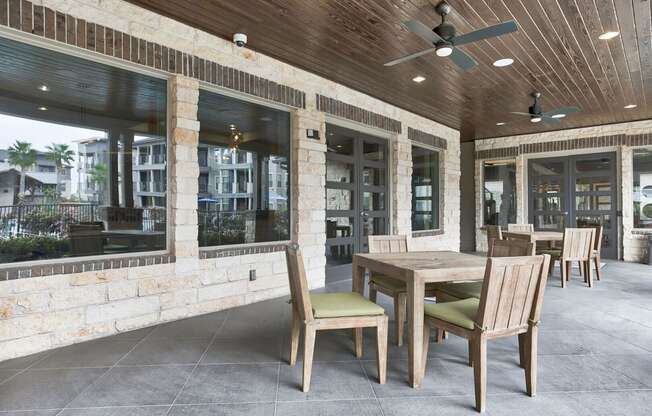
556 51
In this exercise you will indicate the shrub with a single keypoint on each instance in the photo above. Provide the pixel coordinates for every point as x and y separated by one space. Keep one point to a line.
32 248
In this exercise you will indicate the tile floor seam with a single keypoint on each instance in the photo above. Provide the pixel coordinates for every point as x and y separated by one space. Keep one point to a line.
364 371
278 382
104 373
26 368
228 314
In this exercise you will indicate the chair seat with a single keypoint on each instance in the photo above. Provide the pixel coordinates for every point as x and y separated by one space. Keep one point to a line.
388 282
462 290
460 312
338 305
552 252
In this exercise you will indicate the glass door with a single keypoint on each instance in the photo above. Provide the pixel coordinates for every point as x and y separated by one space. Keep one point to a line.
356 192
575 191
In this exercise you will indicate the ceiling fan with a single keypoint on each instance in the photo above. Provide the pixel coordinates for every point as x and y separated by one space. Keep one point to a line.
536 114
445 40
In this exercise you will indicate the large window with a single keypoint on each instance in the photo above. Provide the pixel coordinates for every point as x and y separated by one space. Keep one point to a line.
82 157
643 188
499 193
246 148
425 189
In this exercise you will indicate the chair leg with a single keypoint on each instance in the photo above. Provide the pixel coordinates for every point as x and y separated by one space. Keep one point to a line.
531 368
373 294
400 310
357 336
568 270
596 260
470 352
589 272
294 337
426 344
480 372
562 267
579 263
309 335
522 349
440 335
381 348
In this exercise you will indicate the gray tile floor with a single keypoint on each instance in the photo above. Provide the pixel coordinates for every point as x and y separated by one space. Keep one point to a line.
595 359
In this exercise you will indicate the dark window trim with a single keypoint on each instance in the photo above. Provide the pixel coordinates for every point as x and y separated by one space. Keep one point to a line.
440 192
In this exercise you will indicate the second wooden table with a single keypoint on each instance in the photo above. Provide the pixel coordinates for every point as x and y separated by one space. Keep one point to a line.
416 269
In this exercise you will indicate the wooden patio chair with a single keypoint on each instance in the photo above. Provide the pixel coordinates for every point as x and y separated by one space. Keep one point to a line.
510 304
577 246
494 232
517 228
450 292
597 247
388 285
324 311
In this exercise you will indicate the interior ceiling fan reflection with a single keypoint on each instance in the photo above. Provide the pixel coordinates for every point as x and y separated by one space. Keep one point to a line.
445 40
536 113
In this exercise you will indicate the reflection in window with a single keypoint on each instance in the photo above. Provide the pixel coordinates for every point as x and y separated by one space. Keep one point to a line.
82 160
643 188
425 189
247 148
499 190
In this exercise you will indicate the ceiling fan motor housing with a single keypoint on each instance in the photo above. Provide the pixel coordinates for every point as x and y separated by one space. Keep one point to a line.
445 31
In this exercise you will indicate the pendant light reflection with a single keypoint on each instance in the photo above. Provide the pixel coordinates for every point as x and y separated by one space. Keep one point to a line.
235 136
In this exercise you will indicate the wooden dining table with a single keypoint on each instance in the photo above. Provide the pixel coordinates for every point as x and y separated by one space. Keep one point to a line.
535 235
417 268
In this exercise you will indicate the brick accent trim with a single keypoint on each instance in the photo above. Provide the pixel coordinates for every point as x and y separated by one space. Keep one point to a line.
565 145
427 138
38 270
360 115
61 27
211 253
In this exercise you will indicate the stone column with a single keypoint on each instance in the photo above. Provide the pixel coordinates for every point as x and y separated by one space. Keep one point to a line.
401 171
184 172
633 248
309 192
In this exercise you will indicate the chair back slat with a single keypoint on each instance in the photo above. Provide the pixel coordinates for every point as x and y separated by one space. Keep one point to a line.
298 282
525 228
597 240
387 244
494 233
511 248
578 243
512 285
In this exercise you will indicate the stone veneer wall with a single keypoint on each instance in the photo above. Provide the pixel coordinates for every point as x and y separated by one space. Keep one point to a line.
621 138
91 299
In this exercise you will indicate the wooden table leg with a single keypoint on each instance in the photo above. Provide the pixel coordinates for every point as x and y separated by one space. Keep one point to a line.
415 294
358 286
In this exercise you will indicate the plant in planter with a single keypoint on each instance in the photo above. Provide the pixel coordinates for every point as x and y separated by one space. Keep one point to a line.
24 248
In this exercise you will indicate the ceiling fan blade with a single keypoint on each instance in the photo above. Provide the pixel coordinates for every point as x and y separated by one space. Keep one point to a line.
409 57
552 120
462 59
421 30
486 33
562 110
518 113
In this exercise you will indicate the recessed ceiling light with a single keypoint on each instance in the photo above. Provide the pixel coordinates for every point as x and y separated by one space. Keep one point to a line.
628 106
419 79
500 123
535 119
44 87
43 108
504 62
560 115
608 35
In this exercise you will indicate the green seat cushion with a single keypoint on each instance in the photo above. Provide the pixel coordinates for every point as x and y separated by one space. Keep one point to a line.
460 312
337 305
388 282
552 252
462 290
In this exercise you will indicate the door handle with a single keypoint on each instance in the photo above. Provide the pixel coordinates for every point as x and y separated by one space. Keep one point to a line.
364 215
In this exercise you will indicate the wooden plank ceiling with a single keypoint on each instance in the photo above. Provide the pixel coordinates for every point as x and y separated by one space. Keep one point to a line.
556 51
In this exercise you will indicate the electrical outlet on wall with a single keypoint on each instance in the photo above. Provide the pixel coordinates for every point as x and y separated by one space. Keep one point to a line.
252 275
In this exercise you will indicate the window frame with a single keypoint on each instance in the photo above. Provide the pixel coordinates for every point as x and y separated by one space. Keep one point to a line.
637 227
440 191
482 182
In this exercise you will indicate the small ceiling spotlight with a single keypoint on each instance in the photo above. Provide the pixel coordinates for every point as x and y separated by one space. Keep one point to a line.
419 79
630 106
43 108
44 88
608 35
503 62
500 123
